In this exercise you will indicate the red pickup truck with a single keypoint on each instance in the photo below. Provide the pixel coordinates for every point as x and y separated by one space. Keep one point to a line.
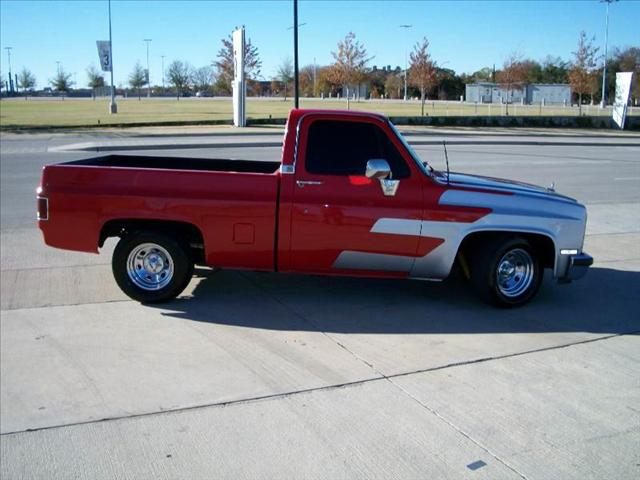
349 197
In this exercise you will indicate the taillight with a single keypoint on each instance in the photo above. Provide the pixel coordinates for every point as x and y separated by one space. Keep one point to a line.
43 208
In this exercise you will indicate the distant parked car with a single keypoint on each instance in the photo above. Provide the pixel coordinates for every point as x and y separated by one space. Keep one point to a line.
202 93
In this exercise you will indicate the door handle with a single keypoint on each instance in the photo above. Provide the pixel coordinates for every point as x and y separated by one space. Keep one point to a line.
302 183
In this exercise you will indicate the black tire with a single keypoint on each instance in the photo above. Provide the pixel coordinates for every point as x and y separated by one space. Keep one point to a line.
522 271
137 253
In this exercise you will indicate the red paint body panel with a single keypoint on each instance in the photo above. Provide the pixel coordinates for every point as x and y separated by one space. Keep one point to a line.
338 214
83 198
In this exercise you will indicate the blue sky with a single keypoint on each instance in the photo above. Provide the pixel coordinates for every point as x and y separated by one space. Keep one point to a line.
464 35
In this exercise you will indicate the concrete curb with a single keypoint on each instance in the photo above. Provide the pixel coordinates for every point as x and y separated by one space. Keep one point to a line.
94 147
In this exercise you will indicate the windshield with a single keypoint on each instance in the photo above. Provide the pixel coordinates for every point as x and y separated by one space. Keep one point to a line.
426 168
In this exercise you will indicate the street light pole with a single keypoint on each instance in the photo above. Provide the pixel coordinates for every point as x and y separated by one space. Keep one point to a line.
606 41
147 40
163 73
406 27
295 53
8 49
113 108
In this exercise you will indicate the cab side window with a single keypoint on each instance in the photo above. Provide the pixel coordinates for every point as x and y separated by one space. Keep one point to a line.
343 148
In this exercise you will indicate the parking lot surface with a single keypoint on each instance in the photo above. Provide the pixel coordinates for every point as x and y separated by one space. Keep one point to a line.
254 375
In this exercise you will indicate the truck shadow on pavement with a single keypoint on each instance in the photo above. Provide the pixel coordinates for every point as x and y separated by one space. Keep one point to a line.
605 301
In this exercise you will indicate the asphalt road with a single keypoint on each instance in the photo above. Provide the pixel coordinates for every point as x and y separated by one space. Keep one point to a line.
279 376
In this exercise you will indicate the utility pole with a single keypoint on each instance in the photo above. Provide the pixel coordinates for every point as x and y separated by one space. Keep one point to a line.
295 53
315 93
603 103
147 40
8 49
163 73
113 108
406 27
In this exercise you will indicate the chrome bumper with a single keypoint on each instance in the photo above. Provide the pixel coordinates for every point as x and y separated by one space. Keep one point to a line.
577 268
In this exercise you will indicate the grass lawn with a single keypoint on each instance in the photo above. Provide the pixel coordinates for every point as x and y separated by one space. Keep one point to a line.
40 112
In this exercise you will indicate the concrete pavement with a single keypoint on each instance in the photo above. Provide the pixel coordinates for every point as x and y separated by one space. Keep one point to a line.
259 375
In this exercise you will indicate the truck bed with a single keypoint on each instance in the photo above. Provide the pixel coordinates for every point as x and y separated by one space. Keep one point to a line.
232 203
179 163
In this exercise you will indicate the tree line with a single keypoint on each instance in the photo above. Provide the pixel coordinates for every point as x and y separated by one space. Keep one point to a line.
351 68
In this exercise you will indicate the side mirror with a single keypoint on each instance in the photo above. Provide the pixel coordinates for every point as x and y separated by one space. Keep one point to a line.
378 168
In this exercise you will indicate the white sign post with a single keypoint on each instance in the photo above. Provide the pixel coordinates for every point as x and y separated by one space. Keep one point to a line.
239 87
623 87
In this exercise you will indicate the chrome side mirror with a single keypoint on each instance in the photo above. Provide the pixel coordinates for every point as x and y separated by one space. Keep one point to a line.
380 169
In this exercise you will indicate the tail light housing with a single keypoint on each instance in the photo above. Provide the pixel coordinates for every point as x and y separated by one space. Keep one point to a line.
43 206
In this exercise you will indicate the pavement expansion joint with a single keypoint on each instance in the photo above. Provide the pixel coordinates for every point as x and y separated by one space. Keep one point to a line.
276 396
314 325
38 307
458 429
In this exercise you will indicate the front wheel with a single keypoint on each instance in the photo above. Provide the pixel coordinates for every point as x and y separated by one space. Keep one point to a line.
507 273
151 267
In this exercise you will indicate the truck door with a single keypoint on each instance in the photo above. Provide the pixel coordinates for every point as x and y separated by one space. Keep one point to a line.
342 221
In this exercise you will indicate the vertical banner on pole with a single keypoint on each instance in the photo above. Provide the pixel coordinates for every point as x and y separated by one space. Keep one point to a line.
104 53
623 87
239 87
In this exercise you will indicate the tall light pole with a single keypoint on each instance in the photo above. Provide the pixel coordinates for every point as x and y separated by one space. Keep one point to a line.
163 73
406 27
8 49
295 55
147 40
606 41
295 26
113 108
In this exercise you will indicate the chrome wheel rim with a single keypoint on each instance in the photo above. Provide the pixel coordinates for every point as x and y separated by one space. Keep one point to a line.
150 266
515 272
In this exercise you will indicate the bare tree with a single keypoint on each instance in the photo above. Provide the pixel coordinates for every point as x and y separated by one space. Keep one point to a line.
26 81
178 76
62 81
285 74
582 68
350 63
512 76
203 78
224 64
137 78
96 79
422 72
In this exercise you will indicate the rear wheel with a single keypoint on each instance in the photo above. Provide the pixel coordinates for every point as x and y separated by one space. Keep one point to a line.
151 267
506 272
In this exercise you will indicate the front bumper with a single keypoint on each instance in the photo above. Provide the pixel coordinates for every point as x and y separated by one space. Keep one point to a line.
577 268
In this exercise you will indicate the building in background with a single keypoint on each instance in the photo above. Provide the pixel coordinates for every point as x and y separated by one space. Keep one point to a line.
533 94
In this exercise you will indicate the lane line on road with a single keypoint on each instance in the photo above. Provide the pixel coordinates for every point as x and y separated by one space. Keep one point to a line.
325 388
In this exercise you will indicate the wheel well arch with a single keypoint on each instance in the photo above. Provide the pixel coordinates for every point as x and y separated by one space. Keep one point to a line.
185 231
543 244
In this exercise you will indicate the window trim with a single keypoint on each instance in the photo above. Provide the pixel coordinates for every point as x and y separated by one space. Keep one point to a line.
381 123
